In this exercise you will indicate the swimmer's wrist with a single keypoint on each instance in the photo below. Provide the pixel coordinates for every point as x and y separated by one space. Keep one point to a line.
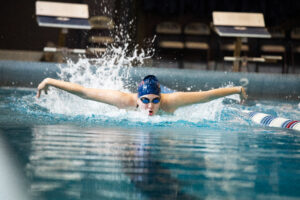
239 90
48 81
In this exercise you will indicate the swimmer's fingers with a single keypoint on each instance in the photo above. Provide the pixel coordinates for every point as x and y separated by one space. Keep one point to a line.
42 86
38 94
46 90
242 101
243 95
40 91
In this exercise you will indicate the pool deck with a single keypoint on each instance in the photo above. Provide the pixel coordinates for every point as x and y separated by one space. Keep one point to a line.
258 85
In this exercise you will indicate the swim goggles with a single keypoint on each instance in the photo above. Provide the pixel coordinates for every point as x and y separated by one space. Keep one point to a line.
145 100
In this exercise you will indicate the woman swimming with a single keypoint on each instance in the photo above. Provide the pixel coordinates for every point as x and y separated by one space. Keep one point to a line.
148 99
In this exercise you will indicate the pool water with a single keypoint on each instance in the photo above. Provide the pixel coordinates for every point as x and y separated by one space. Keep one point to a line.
65 150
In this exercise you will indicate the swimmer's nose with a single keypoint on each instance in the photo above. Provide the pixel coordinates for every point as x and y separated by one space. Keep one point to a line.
150 105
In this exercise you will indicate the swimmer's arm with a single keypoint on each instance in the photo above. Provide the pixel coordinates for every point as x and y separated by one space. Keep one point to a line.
112 97
178 99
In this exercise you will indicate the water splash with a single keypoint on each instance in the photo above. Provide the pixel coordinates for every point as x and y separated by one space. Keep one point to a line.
109 77
111 71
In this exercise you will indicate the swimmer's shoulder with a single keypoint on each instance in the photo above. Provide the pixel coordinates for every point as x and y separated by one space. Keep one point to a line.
168 102
127 100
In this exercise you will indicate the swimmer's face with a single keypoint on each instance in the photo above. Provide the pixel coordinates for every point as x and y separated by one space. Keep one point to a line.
149 103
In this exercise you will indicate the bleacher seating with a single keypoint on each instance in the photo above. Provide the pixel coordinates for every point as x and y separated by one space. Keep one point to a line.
100 34
276 45
295 47
169 41
197 39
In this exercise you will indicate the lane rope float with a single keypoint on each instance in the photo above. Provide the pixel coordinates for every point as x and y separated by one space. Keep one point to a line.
271 121
260 118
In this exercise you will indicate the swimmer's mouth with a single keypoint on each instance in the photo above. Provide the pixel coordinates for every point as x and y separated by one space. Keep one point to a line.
150 112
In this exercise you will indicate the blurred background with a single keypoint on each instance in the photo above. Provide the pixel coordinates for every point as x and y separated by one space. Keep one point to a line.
181 31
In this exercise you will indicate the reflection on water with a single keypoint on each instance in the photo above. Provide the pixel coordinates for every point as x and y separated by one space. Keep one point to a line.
148 172
100 163
167 157
72 162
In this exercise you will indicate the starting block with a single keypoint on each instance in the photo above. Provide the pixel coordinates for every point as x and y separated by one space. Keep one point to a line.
235 24
240 25
62 15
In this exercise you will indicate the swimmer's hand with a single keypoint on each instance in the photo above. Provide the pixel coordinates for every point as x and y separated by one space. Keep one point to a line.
243 95
42 86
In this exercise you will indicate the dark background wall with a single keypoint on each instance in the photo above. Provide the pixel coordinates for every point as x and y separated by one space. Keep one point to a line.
283 13
19 29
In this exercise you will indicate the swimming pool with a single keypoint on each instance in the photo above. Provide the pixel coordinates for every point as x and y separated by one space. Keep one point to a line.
208 151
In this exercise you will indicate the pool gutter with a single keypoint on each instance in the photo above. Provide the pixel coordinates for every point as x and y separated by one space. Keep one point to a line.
258 85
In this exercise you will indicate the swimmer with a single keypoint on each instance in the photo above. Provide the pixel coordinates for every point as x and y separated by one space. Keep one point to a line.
148 98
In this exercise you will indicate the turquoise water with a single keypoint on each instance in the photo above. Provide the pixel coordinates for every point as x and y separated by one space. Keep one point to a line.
66 150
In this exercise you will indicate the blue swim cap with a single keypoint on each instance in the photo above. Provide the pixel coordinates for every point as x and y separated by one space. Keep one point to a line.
149 85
